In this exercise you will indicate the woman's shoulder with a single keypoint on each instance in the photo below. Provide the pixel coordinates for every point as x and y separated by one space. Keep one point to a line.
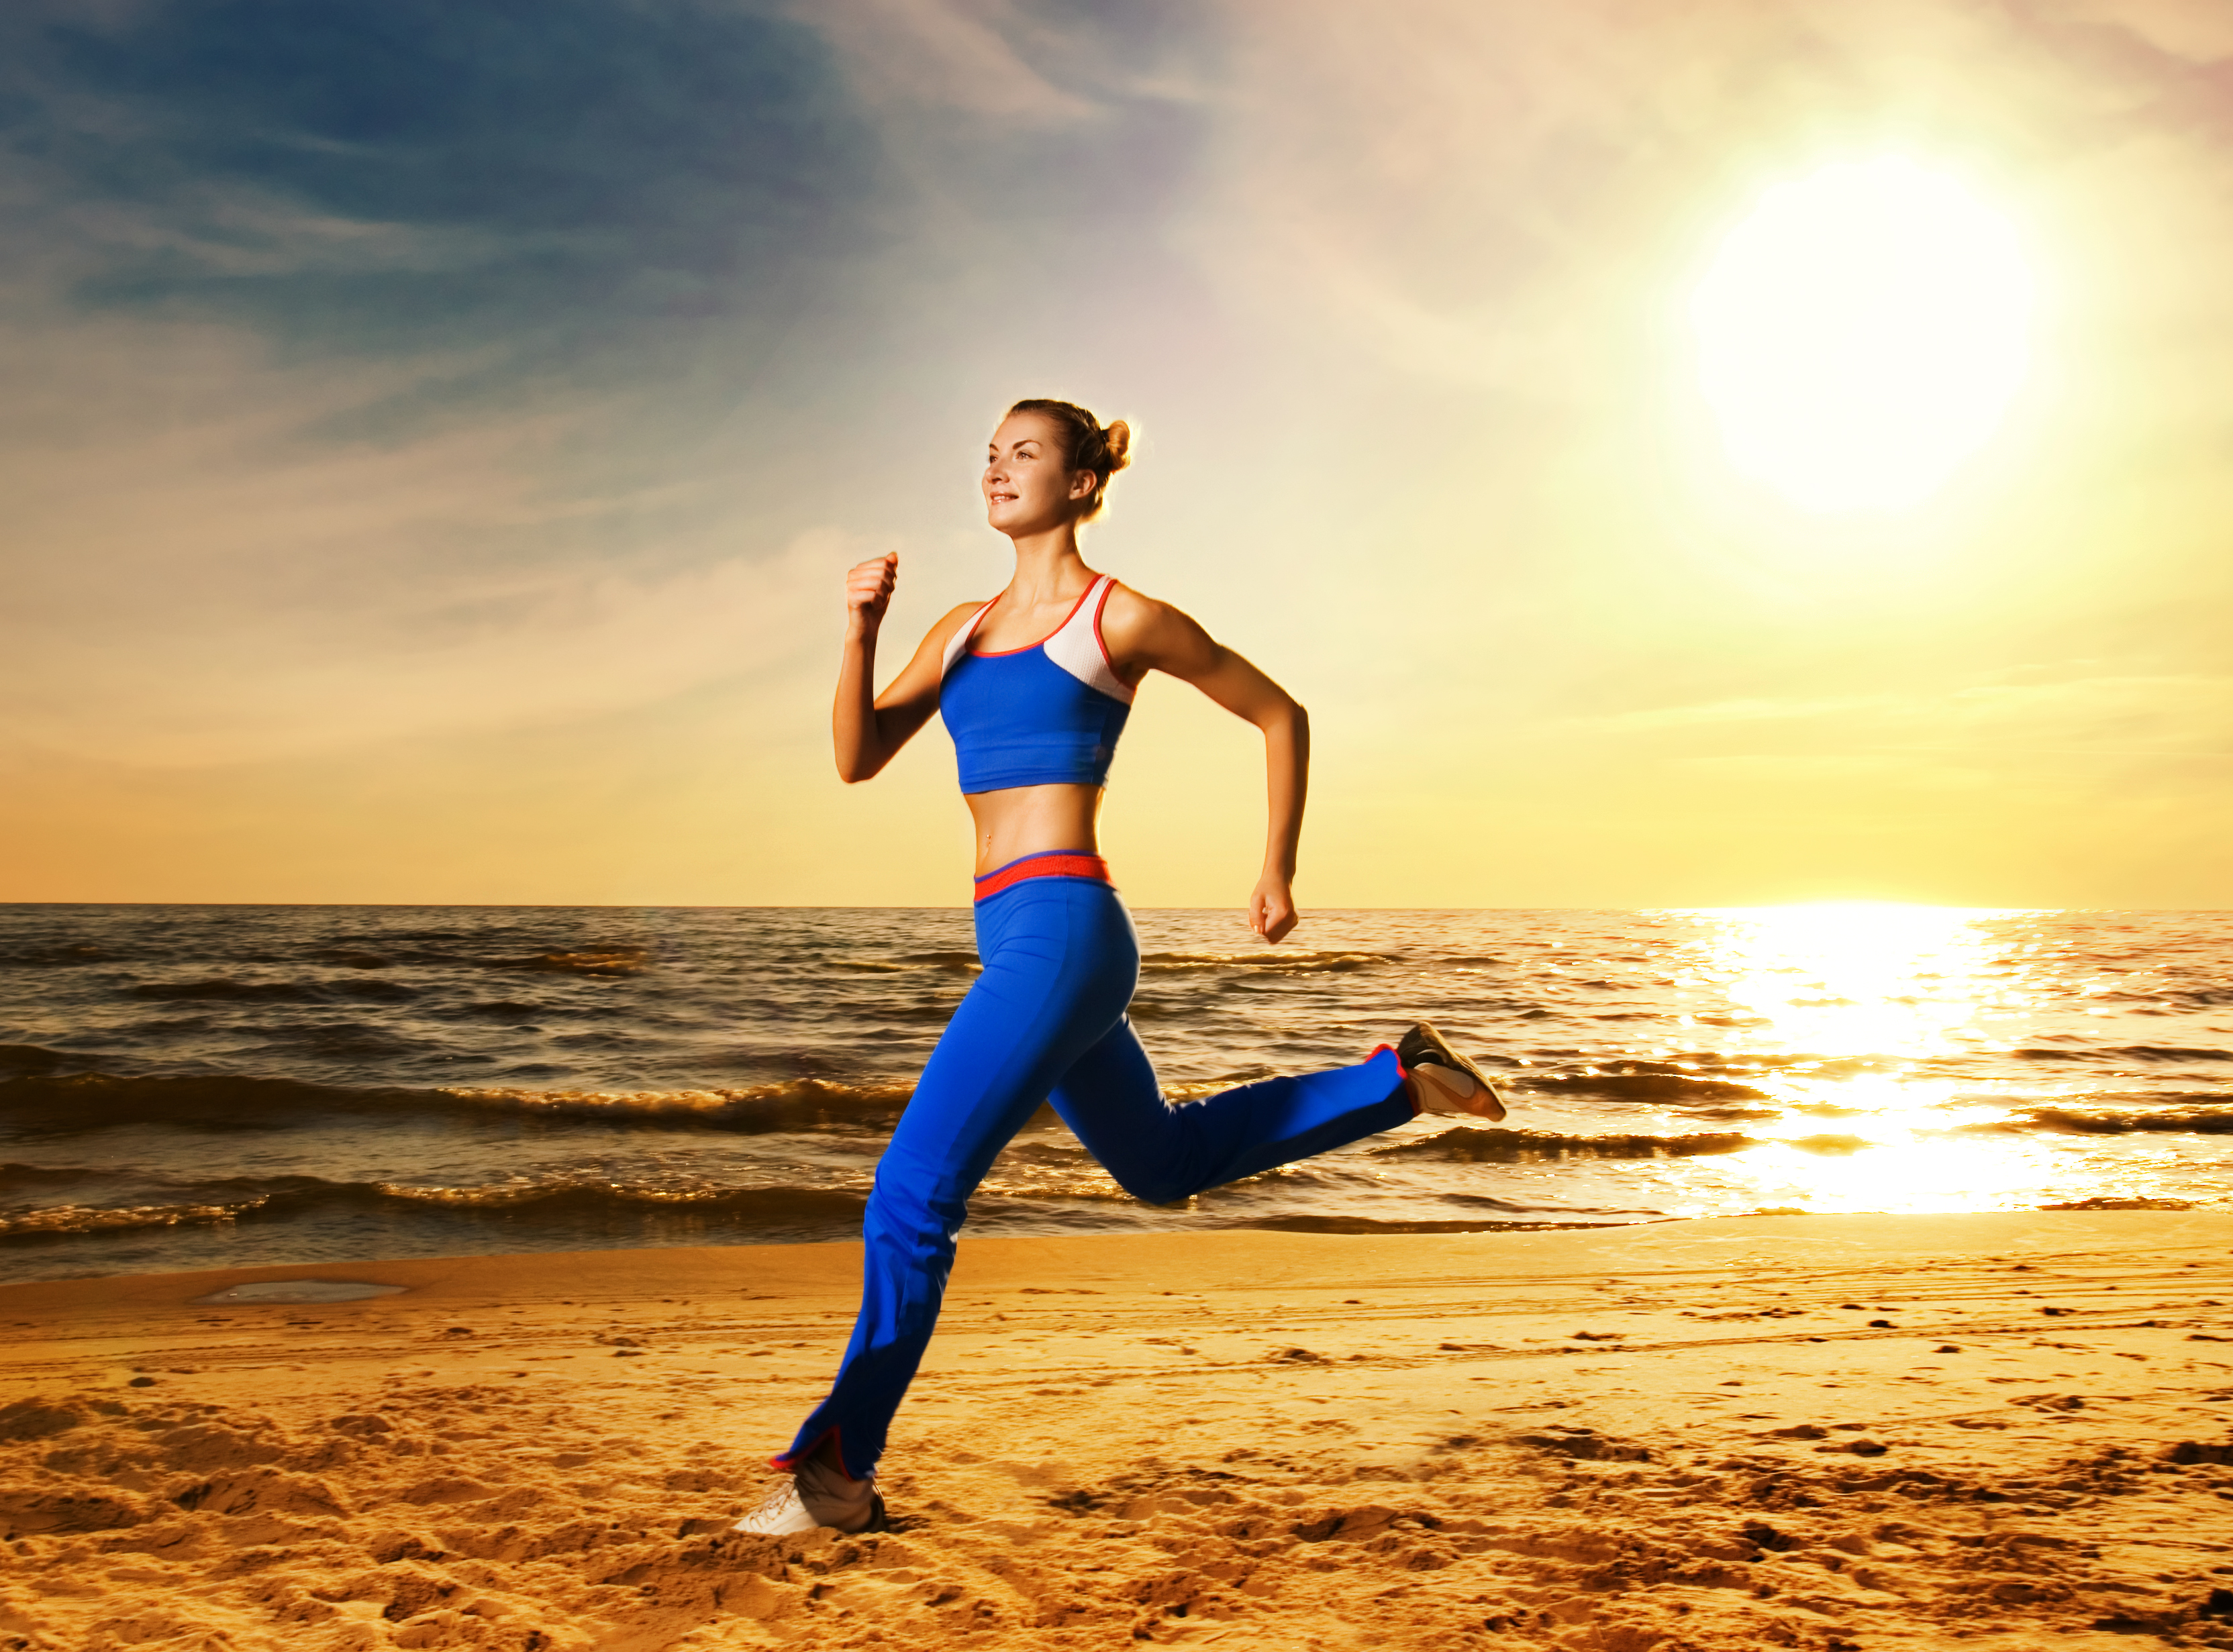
1142 632
1133 609
942 629
1124 606
942 644
961 611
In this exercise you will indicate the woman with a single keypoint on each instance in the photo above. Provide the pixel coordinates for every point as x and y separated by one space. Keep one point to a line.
1035 685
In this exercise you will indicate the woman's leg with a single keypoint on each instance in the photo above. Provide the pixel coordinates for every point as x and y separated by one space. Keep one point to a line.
1060 963
1160 1153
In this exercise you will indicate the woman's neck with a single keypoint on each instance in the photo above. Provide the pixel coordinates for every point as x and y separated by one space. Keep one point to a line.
1048 566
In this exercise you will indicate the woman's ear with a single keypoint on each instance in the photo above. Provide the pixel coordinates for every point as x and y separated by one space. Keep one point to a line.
1082 484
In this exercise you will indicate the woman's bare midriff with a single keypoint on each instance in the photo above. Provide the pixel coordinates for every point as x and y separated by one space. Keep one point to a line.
1031 820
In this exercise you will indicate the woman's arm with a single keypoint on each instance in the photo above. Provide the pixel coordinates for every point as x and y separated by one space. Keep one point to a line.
1147 635
867 728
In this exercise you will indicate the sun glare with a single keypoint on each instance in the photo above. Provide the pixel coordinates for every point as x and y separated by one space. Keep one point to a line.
1862 333
1874 994
1854 978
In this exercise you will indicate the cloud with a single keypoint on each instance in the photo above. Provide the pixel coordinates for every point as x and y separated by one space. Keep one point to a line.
957 56
541 655
372 174
2200 31
201 571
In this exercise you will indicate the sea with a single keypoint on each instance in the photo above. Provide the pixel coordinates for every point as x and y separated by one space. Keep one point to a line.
187 1087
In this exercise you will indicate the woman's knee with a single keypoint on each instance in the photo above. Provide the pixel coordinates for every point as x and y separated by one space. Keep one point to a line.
1155 1185
918 1212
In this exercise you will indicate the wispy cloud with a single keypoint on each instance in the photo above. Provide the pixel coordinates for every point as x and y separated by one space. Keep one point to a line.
397 174
953 55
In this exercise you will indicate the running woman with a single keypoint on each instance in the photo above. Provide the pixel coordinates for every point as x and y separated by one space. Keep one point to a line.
1035 686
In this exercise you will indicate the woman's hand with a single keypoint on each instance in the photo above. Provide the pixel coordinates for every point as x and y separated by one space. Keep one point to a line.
869 588
1272 909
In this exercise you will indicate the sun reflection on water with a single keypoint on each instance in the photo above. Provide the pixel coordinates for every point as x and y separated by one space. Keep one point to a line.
1857 979
1849 1003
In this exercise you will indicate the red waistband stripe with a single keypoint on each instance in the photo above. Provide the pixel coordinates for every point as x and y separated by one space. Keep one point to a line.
1059 863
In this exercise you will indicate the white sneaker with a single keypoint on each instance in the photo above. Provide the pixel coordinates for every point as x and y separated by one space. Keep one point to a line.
819 1494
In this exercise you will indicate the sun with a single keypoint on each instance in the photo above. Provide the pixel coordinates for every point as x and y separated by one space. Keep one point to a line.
1862 333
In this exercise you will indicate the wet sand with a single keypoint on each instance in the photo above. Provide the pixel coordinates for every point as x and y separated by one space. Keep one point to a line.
1838 1433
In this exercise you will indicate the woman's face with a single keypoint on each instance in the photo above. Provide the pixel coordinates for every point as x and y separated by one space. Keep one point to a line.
1026 489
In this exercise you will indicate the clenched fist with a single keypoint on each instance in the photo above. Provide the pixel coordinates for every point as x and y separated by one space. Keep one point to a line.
868 591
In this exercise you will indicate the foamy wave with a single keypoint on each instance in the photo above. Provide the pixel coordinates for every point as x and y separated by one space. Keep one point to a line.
56 1221
1468 1145
811 1100
93 1101
576 1204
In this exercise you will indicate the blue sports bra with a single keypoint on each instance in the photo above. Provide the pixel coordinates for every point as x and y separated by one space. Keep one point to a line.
1048 714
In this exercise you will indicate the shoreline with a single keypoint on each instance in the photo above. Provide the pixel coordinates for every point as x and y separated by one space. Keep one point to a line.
1183 1226
1543 1438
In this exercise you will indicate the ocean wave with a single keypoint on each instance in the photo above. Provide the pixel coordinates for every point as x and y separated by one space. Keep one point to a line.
81 1102
65 1221
1468 1145
1265 963
2063 1121
1642 1082
30 1058
571 1204
70 956
592 1211
557 960
225 989
616 960
1311 1223
2146 1052
14 1176
353 957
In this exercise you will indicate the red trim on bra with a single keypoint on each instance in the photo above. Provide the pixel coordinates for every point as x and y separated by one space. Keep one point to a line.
975 619
1099 608
995 654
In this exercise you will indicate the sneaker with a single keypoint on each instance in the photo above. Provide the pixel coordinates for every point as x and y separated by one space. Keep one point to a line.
819 1494
1442 1080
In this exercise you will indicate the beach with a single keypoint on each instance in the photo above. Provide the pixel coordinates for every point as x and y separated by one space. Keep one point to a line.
1839 1432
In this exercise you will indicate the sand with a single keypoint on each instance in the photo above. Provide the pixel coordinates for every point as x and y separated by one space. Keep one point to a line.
1837 1433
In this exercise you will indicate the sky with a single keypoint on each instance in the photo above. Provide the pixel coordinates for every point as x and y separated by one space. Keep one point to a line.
435 435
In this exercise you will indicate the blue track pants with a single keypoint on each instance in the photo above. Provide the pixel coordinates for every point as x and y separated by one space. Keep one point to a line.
1045 1022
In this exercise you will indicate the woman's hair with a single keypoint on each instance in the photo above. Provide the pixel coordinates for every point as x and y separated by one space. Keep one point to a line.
1087 444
